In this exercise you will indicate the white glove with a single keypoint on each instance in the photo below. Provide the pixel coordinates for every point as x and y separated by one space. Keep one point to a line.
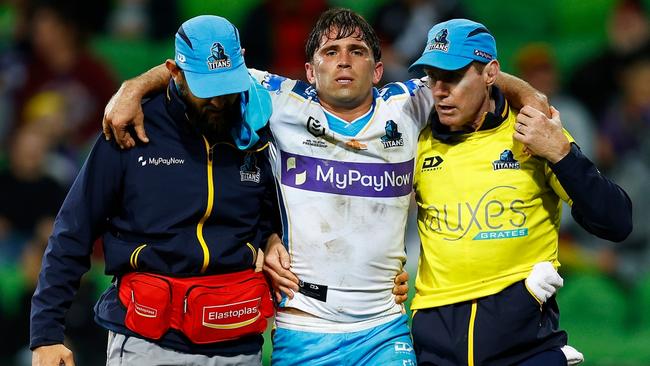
573 357
544 281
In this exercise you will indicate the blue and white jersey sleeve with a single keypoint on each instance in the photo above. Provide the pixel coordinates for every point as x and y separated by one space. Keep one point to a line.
278 86
416 96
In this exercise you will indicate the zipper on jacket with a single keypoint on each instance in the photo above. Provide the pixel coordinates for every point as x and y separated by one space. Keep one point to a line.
208 209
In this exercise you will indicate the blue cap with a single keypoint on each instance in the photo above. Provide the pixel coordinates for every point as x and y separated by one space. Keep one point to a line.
453 44
209 53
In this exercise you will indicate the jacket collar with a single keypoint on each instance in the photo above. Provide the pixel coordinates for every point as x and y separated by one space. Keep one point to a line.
176 107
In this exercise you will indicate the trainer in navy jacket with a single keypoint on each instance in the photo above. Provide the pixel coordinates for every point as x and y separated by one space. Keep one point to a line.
150 205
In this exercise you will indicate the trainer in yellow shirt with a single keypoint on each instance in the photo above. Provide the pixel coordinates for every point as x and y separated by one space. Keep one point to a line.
489 185
480 202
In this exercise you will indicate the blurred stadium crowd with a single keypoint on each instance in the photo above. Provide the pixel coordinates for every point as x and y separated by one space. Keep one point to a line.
61 60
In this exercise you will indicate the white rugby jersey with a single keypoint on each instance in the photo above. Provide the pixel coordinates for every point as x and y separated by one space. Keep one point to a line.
345 191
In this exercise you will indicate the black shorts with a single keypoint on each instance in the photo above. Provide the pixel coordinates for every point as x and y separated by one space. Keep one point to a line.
506 328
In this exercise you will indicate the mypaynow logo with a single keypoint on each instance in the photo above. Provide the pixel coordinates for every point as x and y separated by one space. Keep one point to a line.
347 178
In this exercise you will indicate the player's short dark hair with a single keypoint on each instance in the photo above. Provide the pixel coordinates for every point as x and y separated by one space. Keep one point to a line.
346 23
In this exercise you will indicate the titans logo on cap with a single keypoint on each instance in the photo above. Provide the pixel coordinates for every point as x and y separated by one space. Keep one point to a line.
218 58
439 42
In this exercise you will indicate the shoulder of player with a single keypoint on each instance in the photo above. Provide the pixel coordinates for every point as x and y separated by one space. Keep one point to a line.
157 113
303 90
401 90
154 106
275 84
426 136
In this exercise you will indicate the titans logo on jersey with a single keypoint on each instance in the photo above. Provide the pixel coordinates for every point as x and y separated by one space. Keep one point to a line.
506 161
392 138
249 172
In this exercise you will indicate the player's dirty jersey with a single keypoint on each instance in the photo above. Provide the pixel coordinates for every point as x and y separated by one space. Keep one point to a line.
345 191
487 212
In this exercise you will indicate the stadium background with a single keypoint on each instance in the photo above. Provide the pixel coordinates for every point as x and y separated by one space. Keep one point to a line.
606 299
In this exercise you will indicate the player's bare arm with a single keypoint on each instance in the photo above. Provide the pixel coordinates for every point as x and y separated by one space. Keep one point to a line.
124 109
277 264
519 93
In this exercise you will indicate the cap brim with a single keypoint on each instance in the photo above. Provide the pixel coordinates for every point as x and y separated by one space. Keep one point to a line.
216 84
440 60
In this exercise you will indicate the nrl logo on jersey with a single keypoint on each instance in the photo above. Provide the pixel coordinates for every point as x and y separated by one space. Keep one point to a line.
506 161
317 130
393 137
249 172
315 127
439 42
218 58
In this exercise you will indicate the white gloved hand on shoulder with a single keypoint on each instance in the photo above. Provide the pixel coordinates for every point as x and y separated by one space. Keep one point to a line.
544 281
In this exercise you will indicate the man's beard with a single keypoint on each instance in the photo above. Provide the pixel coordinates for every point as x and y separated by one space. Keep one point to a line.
211 122
207 120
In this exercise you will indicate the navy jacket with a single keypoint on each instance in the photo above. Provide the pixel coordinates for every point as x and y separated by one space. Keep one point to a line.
176 205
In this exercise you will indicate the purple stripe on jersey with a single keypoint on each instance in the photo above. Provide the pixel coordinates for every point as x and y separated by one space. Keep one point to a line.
347 178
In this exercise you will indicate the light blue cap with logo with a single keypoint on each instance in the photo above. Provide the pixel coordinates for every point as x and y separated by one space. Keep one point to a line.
209 53
453 44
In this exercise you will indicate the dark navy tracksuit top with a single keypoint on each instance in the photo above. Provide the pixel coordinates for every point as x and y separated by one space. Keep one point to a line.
177 206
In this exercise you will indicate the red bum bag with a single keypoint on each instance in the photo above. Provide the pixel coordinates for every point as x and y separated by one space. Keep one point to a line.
206 309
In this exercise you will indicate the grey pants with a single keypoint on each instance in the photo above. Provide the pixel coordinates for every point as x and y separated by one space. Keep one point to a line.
131 351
